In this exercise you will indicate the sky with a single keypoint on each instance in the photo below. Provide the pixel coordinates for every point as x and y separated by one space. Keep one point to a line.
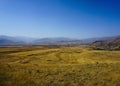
60 18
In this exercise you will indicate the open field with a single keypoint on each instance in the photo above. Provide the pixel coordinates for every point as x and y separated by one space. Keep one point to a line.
58 66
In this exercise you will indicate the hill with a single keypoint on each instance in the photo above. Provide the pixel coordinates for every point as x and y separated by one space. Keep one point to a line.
111 44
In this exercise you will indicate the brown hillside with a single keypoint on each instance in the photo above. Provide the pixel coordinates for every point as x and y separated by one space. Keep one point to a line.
113 44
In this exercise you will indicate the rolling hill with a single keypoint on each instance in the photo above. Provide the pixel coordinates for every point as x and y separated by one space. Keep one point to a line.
111 44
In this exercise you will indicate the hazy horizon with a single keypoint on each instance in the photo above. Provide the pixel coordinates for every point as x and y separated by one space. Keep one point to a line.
60 18
59 37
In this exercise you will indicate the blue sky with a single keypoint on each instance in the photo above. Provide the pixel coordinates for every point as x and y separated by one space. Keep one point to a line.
60 18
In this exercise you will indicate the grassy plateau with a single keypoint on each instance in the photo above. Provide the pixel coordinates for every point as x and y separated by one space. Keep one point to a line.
58 66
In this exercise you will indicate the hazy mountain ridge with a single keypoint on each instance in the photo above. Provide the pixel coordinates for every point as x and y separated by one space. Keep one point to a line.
8 40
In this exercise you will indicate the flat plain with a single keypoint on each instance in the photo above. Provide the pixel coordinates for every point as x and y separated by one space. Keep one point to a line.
58 66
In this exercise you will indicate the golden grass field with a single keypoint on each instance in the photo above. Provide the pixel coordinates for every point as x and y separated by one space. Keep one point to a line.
58 66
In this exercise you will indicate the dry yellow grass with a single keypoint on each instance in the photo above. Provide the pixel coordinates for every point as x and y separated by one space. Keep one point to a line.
63 66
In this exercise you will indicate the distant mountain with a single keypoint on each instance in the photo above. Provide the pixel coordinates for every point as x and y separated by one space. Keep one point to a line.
18 38
53 39
111 44
8 40
67 41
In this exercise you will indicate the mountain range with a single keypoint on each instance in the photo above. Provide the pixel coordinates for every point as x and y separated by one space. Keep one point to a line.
9 40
